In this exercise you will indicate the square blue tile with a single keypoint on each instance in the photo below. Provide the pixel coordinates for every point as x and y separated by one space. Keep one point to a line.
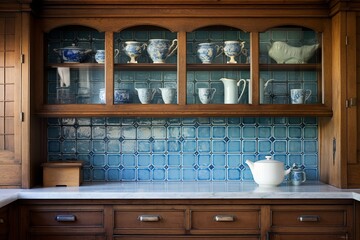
113 146
188 174
144 160
113 160
204 175
219 174
173 146
234 146
159 174
143 174
188 160
189 146
174 174
204 146
234 174
219 146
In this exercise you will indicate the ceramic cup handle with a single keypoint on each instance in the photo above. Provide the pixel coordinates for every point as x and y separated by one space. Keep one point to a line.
173 47
116 52
307 94
243 88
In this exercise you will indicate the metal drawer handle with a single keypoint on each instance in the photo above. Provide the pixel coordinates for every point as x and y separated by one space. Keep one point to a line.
2 221
65 218
149 218
224 218
309 218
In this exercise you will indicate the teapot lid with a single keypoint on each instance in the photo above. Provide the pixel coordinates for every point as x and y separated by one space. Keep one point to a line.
72 47
269 160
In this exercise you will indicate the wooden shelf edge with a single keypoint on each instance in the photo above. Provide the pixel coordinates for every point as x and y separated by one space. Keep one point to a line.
195 110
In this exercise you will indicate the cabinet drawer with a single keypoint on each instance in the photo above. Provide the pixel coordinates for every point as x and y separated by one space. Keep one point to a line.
67 216
225 221
149 221
305 216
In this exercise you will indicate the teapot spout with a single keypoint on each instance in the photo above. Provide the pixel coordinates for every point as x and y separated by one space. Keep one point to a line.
287 171
251 165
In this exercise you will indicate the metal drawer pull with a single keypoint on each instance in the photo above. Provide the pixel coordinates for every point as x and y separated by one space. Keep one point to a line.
149 218
2 221
309 218
65 218
224 218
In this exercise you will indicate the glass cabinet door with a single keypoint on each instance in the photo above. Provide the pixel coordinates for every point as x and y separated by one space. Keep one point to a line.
145 70
218 69
290 66
75 65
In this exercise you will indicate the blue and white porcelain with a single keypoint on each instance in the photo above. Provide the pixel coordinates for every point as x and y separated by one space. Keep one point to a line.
160 49
299 96
207 52
120 96
146 95
133 50
206 95
233 49
297 176
72 54
100 56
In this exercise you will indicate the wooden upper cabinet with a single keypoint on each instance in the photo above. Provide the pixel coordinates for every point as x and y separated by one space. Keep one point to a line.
177 63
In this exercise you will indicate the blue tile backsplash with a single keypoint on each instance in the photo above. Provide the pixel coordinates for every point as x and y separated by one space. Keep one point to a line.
181 149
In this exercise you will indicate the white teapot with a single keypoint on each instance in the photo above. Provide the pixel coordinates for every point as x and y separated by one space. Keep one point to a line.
268 172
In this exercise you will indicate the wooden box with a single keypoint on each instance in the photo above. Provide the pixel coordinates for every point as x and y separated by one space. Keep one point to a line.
62 174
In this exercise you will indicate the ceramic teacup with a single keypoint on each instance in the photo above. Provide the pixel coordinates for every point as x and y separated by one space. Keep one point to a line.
206 95
100 56
233 49
168 94
133 50
297 177
146 95
299 96
207 52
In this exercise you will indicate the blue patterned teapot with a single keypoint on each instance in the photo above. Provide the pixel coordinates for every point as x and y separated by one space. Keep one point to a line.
72 54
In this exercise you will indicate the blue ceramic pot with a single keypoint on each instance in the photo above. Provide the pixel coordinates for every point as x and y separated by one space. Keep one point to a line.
160 49
72 54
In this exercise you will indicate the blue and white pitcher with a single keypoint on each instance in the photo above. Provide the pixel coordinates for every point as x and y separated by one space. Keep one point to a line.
207 52
160 49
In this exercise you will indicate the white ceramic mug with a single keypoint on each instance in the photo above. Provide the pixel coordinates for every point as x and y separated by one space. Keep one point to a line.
299 96
206 94
168 94
146 95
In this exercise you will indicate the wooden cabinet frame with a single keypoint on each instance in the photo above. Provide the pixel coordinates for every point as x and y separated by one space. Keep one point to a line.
182 19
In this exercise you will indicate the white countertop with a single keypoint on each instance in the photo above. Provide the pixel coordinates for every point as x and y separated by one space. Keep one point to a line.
181 190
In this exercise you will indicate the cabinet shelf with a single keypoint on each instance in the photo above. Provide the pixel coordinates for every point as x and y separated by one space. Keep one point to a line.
290 67
76 65
146 66
176 110
214 67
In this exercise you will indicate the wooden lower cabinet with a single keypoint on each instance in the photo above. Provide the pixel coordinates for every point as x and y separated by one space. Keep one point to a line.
306 236
187 237
188 219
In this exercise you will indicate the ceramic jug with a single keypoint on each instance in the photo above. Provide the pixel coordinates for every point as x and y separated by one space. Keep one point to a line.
231 90
160 49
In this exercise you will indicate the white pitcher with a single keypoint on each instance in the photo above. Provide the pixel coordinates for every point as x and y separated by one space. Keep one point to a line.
231 90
